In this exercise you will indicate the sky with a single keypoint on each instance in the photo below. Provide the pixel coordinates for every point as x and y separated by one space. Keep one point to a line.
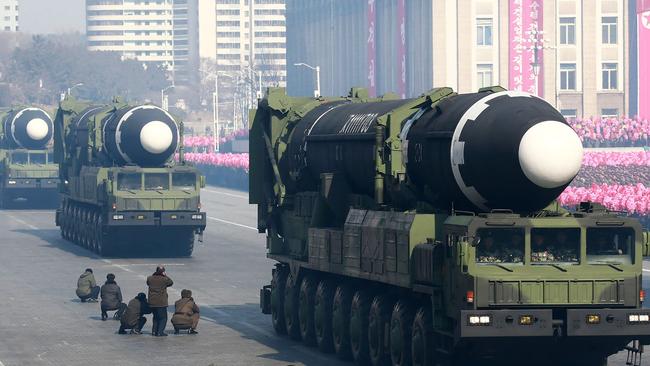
52 16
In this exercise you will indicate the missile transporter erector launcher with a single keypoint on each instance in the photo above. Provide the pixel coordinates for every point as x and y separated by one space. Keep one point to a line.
425 232
122 190
27 170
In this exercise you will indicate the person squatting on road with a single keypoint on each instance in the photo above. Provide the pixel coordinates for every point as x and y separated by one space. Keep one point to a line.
186 313
133 318
87 288
158 300
111 298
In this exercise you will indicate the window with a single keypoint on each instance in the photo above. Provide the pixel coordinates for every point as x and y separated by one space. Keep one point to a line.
610 246
484 31
610 76
37 158
500 246
156 181
19 158
129 182
609 113
184 181
569 113
555 246
610 30
567 30
484 75
567 76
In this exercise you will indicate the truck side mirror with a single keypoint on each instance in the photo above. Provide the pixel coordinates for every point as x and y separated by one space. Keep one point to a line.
476 240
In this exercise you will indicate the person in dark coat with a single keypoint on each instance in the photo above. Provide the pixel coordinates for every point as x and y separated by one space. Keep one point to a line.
111 298
133 318
87 288
186 314
158 300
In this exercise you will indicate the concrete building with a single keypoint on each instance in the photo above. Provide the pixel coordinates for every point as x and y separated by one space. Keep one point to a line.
151 31
9 15
581 65
239 34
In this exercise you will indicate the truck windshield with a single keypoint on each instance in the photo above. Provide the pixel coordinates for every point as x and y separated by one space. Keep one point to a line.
156 181
500 246
555 245
37 158
183 181
610 245
19 158
129 182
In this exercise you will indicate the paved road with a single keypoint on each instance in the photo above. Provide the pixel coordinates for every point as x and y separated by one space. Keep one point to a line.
43 323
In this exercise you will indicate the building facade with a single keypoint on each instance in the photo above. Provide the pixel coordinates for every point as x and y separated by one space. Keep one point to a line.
240 35
573 53
151 31
9 15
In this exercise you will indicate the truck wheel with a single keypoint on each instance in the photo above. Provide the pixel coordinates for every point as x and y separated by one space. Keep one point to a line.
278 284
359 312
378 318
306 311
341 321
291 308
323 315
422 352
401 323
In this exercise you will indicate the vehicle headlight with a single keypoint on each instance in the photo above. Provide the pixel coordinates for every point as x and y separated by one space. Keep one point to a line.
12 182
593 319
118 217
197 217
526 320
638 318
480 320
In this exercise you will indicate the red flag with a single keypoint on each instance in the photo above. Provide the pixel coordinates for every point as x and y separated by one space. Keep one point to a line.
642 6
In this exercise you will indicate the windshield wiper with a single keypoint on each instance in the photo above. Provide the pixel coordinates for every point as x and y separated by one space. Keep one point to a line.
552 265
613 265
500 266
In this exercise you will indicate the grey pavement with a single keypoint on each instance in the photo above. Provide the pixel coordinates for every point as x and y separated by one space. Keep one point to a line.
43 323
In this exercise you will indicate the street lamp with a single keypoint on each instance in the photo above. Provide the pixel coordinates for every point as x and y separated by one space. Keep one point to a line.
537 45
317 69
165 102
74 86
215 106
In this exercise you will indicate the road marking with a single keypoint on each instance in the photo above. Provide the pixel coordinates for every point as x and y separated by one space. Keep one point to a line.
225 193
149 264
232 223
646 270
22 222
2 364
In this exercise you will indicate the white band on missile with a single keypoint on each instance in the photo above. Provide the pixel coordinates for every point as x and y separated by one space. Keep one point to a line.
20 113
457 149
118 132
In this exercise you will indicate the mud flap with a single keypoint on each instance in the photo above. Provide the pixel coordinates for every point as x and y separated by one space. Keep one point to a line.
265 299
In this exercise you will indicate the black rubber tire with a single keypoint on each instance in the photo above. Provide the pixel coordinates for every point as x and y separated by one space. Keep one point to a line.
291 308
278 282
323 315
341 321
378 318
359 311
422 350
401 323
306 310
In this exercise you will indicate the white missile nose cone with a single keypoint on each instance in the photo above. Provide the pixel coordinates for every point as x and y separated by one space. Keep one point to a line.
156 137
550 154
37 129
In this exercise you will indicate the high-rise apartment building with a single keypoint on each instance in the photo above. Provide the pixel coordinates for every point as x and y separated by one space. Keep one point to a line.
9 15
243 34
581 64
151 31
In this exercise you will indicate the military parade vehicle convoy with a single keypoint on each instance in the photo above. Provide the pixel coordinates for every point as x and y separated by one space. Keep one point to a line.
27 172
122 191
424 231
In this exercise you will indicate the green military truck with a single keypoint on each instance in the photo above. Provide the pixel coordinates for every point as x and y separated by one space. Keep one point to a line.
424 232
123 192
28 176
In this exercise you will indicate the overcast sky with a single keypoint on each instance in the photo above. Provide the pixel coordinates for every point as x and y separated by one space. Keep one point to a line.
52 16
